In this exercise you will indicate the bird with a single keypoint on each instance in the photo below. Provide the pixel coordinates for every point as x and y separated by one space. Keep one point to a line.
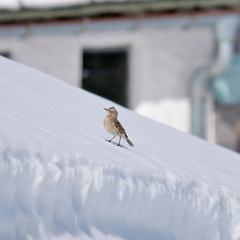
114 127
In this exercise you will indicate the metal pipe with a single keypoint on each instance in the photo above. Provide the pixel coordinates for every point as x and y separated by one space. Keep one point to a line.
225 32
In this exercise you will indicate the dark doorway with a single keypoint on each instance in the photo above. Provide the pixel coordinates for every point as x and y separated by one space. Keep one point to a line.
105 73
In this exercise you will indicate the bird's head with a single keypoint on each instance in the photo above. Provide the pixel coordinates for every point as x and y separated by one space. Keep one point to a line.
111 110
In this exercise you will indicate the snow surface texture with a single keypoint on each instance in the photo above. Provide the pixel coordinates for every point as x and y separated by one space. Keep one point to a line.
60 179
162 111
17 4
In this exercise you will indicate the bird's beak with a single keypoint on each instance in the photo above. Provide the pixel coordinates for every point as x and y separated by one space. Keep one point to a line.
105 109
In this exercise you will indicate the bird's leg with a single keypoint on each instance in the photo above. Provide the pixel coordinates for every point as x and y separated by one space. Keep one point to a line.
119 141
110 139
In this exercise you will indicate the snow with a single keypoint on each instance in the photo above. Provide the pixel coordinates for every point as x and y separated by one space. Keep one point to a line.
162 111
9 4
16 4
52 3
60 179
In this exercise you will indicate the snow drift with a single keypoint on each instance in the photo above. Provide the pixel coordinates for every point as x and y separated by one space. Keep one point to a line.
59 178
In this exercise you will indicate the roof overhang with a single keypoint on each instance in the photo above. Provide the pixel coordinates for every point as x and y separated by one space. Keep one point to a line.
112 9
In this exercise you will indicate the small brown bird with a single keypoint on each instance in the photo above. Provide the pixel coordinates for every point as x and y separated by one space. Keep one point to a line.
114 127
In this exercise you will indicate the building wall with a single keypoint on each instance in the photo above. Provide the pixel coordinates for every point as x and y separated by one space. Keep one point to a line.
161 60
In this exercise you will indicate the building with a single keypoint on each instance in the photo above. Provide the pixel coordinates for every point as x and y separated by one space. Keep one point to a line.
174 61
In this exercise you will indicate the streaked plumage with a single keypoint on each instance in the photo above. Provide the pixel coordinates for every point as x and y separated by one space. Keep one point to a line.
114 127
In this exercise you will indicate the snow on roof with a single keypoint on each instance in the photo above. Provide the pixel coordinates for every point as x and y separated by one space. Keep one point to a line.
9 4
54 3
16 4
60 179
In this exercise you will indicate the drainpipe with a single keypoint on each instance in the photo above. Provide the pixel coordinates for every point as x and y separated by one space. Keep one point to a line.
225 31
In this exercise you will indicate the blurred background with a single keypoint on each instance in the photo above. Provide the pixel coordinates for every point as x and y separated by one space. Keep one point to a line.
176 62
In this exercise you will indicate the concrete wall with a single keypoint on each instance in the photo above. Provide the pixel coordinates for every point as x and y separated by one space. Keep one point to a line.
161 60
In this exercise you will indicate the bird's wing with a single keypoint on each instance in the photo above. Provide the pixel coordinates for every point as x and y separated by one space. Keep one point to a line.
119 127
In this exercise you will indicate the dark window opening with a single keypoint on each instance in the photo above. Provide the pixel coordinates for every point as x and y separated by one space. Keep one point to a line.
105 74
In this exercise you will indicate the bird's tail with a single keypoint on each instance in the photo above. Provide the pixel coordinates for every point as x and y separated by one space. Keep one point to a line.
130 143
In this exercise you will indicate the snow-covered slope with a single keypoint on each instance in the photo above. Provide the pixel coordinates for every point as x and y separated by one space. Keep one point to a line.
60 179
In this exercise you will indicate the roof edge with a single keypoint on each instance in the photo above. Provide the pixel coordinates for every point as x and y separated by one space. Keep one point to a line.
112 8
